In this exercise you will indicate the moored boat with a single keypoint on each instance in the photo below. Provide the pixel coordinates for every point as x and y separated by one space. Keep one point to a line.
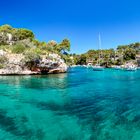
117 67
98 68
130 68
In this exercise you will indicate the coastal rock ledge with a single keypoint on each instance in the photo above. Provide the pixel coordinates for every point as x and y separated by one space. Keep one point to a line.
17 64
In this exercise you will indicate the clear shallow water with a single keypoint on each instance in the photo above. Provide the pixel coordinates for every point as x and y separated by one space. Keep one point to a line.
80 105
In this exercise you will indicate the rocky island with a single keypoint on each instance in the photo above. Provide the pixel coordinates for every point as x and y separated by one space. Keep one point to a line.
22 54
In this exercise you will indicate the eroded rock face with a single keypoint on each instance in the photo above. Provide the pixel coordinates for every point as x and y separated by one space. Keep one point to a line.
52 63
61 68
6 38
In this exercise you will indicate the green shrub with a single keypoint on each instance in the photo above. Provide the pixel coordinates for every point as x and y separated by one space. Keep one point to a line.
19 48
1 66
39 51
5 47
3 59
31 59
31 56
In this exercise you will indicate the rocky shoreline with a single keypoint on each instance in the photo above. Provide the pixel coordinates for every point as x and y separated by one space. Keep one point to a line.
28 72
47 64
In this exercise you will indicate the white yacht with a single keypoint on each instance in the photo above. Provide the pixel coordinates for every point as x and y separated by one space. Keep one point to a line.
117 67
98 68
130 68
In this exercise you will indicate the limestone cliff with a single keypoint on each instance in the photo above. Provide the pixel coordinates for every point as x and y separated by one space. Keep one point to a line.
22 53
15 64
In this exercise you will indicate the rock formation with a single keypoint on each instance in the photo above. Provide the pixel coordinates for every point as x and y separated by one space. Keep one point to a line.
51 63
22 53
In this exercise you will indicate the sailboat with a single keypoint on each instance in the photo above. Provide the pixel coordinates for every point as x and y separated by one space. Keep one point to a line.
98 67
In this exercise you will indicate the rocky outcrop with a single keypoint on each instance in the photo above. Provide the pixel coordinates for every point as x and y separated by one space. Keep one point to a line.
22 53
51 63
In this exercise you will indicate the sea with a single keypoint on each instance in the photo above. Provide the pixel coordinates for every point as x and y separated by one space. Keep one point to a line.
79 105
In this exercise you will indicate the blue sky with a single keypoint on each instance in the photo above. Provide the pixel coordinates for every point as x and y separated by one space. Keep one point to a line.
118 21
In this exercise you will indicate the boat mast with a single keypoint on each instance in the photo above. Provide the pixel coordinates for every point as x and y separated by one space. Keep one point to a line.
99 37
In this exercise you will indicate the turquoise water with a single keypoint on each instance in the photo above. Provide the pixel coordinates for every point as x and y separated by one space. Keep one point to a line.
80 105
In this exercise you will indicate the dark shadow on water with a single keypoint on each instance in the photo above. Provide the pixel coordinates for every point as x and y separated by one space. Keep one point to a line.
10 125
92 111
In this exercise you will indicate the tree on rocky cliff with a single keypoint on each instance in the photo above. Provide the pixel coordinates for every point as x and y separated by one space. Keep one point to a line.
127 51
129 54
24 34
19 41
6 28
9 35
63 46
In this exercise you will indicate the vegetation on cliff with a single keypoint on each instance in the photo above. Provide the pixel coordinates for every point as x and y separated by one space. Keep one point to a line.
16 42
23 41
